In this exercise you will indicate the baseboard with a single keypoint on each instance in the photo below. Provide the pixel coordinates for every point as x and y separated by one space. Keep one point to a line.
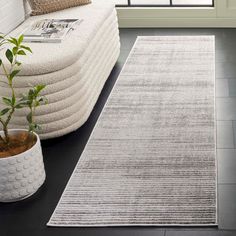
126 22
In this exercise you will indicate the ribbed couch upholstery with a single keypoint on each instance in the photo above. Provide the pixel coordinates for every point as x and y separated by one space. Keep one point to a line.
74 70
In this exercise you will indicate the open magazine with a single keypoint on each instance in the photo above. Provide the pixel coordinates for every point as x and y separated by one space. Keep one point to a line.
50 30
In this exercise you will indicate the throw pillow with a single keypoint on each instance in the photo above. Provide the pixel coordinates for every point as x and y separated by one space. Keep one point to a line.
40 7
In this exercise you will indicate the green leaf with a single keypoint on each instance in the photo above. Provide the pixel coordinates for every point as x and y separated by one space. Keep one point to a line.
18 63
20 39
14 50
13 101
36 104
2 43
23 101
14 73
26 48
0 62
19 106
37 127
7 101
29 118
30 94
10 41
24 98
21 52
34 127
43 100
40 87
4 111
13 41
9 55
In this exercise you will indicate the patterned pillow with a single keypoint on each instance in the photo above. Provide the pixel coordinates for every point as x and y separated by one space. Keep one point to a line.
40 7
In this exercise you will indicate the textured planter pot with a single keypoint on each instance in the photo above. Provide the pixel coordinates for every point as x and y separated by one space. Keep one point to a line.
21 175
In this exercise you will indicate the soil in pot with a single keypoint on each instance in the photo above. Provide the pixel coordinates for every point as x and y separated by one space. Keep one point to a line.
19 142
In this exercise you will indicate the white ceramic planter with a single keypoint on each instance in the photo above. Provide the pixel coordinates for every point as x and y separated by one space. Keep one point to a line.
21 175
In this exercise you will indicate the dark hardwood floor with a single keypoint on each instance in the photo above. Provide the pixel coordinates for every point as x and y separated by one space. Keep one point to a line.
30 216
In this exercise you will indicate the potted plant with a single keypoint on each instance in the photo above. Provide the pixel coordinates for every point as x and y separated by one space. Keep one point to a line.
21 161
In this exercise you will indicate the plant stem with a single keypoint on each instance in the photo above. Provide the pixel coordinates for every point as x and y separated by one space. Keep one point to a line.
31 119
3 127
2 122
5 124
5 71
2 139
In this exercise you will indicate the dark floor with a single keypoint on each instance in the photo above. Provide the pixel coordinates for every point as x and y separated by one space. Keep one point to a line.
30 216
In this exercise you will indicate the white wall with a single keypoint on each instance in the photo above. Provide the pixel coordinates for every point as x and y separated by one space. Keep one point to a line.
222 15
11 14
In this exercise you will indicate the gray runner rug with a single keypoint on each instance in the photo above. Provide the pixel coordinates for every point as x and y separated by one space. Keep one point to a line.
151 158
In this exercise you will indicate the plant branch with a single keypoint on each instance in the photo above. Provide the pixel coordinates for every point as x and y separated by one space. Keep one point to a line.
31 100
1 121
2 139
5 71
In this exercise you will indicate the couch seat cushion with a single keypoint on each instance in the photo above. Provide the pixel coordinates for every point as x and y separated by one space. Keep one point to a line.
51 57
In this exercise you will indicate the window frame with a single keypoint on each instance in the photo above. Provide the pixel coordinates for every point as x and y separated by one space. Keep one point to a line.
223 14
129 4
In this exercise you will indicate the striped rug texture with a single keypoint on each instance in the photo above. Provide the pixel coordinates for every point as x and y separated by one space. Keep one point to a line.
150 159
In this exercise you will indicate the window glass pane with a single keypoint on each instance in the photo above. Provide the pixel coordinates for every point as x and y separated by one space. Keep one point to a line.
192 2
150 2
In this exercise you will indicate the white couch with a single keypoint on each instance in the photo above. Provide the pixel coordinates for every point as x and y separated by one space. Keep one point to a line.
74 70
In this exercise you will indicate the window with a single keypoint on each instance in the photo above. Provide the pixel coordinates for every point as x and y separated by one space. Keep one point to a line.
166 3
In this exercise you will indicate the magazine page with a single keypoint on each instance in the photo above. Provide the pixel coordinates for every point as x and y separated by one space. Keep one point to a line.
55 23
50 30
